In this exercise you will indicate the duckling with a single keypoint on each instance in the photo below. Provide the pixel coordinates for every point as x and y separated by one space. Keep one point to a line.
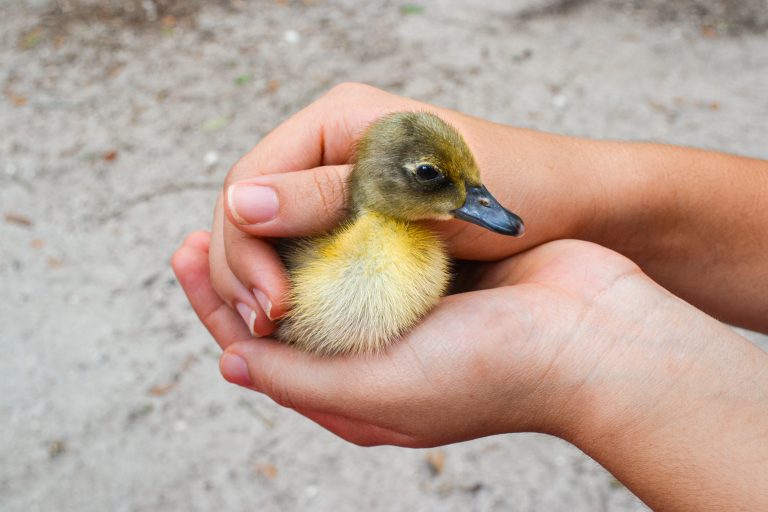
360 287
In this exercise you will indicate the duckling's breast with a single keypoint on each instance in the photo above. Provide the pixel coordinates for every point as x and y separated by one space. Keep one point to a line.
359 288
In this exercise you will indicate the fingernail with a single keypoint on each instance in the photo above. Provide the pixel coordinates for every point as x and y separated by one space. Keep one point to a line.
234 370
249 317
264 302
252 204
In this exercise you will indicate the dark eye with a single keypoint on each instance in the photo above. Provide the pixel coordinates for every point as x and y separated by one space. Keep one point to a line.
426 172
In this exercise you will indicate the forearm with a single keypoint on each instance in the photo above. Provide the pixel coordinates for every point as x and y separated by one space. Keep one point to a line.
680 415
695 221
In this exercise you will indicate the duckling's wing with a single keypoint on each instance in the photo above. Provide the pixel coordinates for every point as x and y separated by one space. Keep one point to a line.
294 252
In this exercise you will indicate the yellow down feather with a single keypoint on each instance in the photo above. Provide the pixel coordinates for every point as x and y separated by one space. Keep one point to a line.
360 287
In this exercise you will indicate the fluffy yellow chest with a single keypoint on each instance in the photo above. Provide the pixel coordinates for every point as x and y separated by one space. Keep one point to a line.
360 287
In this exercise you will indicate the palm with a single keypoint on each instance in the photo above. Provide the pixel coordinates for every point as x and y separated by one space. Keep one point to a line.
477 343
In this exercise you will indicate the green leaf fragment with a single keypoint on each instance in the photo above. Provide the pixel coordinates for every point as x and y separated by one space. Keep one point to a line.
244 79
411 9
215 124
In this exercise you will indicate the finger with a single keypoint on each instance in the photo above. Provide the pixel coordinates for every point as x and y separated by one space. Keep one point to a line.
257 268
292 378
245 298
420 392
361 432
190 264
369 388
289 204
199 240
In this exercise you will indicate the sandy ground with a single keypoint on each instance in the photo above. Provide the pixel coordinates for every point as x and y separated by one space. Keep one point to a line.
118 124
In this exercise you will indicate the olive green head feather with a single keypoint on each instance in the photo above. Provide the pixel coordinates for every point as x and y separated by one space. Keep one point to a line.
413 166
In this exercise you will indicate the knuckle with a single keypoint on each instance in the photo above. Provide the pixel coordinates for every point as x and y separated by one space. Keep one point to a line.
279 391
351 89
330 191
344 88
271 381
194 238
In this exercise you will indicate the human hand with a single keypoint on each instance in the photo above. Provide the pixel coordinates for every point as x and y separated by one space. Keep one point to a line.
293 184
508 355
569 339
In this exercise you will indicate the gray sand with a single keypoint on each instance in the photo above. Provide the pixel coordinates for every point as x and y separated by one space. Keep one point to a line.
118 125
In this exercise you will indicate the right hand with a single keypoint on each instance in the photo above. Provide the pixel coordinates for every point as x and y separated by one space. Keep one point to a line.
293 183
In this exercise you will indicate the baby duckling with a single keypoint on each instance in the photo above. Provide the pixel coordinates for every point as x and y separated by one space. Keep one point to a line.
361 286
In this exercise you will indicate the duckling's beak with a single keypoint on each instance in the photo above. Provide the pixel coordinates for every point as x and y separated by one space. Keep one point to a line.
483 209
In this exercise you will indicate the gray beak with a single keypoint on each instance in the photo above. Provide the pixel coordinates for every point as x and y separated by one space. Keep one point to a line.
483 209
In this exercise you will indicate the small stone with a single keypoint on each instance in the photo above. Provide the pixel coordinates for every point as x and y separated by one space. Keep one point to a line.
56 448
559 101
18 219
291 36
211 158
268 471
435 461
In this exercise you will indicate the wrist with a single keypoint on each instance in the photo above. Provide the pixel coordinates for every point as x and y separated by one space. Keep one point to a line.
677 403
645 361
567 190
627 207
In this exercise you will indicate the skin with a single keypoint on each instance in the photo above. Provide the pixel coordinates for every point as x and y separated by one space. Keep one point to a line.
577 340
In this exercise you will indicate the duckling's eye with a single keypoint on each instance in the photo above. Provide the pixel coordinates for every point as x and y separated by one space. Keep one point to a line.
426 172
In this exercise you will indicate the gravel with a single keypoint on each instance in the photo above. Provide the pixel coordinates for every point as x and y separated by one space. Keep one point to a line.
120 119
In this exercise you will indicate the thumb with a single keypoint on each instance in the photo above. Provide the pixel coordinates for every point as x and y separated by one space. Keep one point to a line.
290 377
290 204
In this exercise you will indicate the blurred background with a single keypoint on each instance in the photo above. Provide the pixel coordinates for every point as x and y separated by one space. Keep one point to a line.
118 122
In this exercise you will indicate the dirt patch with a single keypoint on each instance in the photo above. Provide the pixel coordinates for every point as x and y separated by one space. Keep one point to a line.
136 14
551 9
728 17
732 17
118 131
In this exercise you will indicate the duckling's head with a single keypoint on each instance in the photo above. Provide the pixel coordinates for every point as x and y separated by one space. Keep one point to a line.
414 166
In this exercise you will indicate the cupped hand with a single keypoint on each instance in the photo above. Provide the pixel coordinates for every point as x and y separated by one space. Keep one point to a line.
293 183
509 355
